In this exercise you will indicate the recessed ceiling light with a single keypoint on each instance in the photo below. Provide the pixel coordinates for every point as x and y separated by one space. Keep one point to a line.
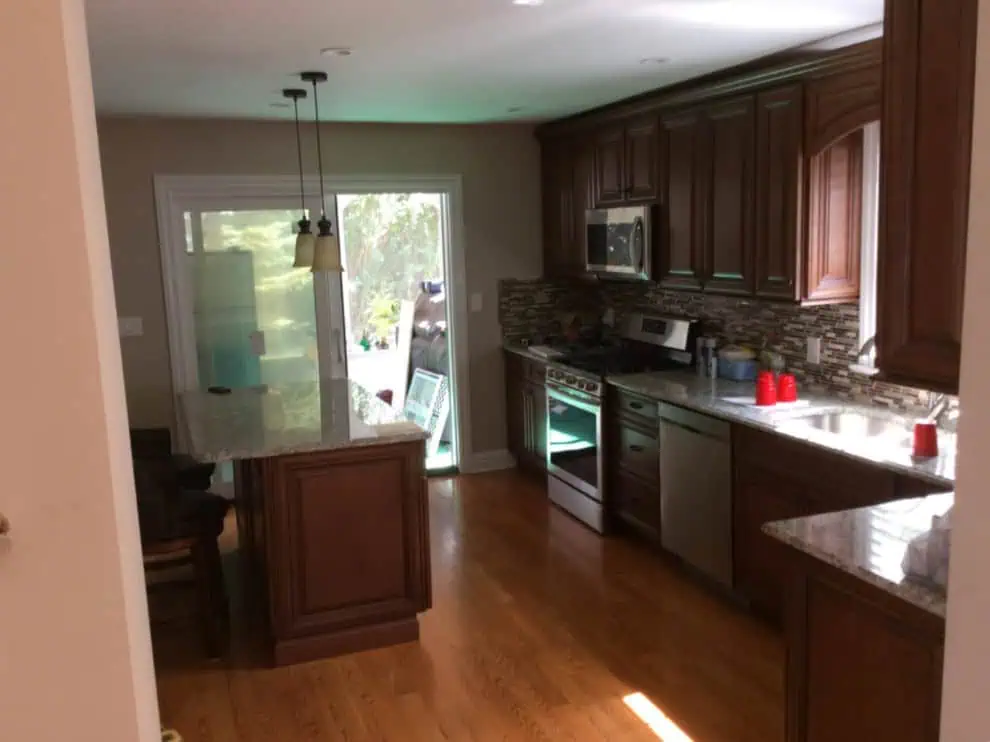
337 51
531 3
654 60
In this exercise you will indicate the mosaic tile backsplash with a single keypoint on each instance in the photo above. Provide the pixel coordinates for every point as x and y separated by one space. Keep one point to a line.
537 310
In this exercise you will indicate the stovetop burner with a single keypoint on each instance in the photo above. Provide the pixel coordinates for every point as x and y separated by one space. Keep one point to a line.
645 344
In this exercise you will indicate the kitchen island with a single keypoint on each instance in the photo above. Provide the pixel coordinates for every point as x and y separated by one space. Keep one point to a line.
864 638
332 514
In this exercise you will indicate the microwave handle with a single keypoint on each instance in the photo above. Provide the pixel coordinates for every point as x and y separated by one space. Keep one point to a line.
639 231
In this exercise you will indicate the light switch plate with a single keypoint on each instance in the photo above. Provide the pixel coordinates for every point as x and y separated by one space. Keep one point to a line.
476 301
130 327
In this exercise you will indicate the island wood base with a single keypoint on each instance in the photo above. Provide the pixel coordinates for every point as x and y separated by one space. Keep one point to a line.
337 548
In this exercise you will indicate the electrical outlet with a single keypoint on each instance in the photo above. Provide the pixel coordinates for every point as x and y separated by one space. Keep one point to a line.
814 350
130 327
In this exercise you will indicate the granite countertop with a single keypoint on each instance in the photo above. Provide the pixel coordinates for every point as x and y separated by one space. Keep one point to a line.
870 543
687 389
698 393
262 421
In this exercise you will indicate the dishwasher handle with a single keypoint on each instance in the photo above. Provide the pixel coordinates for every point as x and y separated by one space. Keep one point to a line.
693 422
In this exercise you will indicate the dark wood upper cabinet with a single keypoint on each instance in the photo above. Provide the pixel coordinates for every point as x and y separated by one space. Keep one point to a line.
729 206
683 195
626 162
583 182
839 104
610 156
558 208
779 173
641 163
835 209
928 78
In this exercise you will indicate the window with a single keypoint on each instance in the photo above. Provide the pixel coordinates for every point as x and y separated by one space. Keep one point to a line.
870 226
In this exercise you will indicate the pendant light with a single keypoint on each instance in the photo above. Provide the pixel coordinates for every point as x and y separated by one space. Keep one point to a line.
305 241
326 255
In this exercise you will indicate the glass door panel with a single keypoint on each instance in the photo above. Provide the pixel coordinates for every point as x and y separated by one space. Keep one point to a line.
254 315
394 299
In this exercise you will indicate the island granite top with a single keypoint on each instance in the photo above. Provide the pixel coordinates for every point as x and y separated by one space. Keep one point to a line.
262 421
870 543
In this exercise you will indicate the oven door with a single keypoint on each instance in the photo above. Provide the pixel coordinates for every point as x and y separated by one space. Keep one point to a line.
574 437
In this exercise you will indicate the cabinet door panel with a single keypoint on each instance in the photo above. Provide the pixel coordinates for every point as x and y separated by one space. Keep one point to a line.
835 221
760 572
929 69
729 223
637 504
681 246
610 175
892 691
558 210
515 405
583 184
779 174
641 172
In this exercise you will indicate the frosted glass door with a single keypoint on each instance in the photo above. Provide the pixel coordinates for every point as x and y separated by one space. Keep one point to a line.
254 315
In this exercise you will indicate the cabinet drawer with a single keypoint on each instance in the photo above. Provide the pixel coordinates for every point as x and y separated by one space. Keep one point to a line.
638 453
630 404
636 503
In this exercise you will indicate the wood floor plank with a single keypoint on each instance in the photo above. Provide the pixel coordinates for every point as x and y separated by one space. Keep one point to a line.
539 629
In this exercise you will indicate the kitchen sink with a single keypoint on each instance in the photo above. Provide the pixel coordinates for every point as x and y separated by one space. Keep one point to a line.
856 424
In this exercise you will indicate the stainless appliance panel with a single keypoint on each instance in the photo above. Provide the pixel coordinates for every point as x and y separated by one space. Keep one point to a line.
574 435
696 491
618 241
588 511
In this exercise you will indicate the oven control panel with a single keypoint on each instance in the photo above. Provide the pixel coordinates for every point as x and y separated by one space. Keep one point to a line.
573 381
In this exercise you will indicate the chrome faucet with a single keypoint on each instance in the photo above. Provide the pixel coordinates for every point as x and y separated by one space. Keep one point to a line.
868 352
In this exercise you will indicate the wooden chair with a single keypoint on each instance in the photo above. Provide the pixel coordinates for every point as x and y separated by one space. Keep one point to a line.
179 532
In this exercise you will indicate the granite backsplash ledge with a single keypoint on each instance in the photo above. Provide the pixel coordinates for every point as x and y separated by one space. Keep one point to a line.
535 310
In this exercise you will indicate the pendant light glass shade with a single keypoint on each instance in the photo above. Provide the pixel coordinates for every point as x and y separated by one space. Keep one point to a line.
305 246
326 256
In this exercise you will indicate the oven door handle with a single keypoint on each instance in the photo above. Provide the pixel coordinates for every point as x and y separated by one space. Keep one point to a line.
576 399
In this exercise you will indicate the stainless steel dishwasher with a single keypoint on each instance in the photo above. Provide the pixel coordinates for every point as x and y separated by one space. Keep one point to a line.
696 490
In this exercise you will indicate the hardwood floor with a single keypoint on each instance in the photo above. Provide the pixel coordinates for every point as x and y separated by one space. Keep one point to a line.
539 630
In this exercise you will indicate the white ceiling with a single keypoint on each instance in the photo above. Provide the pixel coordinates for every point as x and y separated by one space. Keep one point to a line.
431 60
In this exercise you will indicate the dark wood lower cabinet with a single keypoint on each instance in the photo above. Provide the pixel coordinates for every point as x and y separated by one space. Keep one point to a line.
635 503
862 664
337 547
526 412
777 478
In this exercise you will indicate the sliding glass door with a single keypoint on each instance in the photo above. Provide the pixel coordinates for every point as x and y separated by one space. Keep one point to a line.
241 315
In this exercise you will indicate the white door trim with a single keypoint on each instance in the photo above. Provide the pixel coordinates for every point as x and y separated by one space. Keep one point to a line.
173 192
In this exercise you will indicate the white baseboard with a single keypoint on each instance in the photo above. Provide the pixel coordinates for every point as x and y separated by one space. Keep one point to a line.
488 461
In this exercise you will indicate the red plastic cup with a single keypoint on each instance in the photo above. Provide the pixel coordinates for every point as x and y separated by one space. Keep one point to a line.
925 440
766 390
787 388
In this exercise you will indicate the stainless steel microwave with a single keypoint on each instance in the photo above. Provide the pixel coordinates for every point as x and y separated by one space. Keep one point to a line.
618 242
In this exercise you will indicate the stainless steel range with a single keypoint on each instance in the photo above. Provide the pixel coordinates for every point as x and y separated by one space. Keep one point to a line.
575 388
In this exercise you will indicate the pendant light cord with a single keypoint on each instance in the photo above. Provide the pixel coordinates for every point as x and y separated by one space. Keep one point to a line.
302 191
319 150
